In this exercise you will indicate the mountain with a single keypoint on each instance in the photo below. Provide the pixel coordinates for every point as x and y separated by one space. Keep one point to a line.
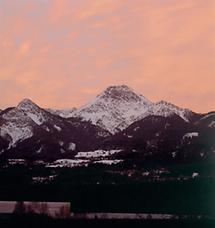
30 131
114 109
164 139
165 109
117 119
119 106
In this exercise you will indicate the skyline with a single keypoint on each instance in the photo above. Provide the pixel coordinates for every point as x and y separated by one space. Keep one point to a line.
62 53
89 102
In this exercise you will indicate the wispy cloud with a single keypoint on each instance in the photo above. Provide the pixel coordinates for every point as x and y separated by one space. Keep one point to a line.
61 53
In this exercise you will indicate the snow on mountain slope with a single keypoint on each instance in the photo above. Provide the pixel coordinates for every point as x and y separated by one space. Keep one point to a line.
33 111
16 125
28 130
115 108
20 123
165 109
119 106
63 113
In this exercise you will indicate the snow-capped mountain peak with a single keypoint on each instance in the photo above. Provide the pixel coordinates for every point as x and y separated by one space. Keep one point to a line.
115 108
32 110
166 109
122 93
29 129
26 104
17 125
118 106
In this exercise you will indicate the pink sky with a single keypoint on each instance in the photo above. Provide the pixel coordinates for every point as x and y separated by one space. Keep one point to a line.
62 53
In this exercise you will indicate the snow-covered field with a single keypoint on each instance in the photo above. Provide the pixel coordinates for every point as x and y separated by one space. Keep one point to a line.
86 158
45 179
97 154
69 163
108 162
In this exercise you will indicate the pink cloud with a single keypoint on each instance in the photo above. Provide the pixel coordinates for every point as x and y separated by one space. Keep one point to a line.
61 53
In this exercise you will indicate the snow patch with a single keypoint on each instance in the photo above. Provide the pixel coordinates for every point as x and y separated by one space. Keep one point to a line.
38 119
62 151
43 179
39 150
96 154
145 173
47 129
195 175
61 143
17 133
108 162
69 163
174 154
72 146
191 135
129 136
16 161
57 128
136 128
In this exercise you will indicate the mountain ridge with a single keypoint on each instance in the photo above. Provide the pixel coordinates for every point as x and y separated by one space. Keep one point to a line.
28 130
118 118
117 107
